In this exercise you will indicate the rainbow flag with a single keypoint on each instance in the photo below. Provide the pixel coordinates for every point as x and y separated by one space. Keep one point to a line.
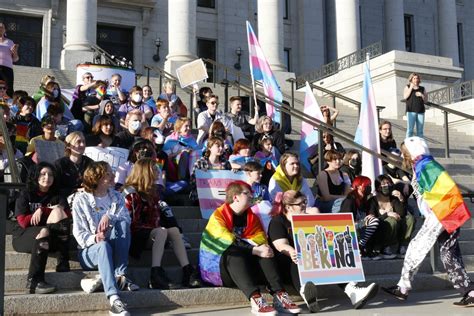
327 247
367 133
218 236
260 70
309 135
440 193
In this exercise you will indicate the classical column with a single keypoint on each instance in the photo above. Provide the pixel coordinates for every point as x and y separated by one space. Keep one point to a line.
181 34
270 32
394 25
347 25
447 30
81 29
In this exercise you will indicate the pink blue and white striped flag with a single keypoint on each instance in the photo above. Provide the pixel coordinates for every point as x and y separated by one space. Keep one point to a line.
309 135
367 133
260 70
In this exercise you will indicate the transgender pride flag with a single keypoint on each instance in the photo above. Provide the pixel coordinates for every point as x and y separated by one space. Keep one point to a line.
367 133
260 70
309 135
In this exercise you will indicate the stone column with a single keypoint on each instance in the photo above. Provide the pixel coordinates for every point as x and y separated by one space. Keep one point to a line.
394 25
182 34
270 32
447 30
347 25
81 31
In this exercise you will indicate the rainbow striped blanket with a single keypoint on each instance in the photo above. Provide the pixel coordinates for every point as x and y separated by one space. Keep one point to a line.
218 236
439 192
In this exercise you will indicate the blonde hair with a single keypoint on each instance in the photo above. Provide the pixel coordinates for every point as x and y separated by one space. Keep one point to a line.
413 74
70 140
260 121
284 158
407 162
180 122
47 78
143 177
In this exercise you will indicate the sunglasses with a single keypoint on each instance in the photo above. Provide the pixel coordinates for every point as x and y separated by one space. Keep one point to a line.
214 103
302 203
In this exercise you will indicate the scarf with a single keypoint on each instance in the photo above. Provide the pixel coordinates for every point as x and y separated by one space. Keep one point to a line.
218 236
285 184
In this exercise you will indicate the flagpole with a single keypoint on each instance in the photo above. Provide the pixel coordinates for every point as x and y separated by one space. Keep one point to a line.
251 72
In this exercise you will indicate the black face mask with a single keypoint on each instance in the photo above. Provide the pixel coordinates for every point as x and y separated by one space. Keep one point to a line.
367 191
355 163
386 190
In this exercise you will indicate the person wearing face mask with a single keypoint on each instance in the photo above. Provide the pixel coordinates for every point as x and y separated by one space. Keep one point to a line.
351 164
133 125
396 224
52 93
396 174
135 103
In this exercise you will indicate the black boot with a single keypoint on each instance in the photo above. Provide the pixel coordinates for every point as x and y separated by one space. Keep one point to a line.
191 277
39 256
159 280
61 232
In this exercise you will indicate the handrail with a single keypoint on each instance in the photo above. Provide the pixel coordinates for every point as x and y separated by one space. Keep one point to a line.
450 111
111 59
355 58
336 95
453 93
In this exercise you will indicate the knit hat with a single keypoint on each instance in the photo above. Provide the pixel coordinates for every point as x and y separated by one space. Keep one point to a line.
417 146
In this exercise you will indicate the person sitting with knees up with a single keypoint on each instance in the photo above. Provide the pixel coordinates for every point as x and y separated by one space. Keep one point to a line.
143 202
101 226
234 252
43 226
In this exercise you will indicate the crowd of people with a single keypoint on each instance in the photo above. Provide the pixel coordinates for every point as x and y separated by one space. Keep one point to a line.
117 214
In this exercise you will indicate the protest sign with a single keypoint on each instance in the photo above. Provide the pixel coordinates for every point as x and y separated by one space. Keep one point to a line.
114 156
191 73
49 151
262 209
328 251
105 72
211 187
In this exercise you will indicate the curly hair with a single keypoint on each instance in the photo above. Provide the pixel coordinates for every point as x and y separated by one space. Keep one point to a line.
94 172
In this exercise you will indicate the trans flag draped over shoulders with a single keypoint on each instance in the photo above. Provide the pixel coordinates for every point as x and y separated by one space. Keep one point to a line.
439 192
260 70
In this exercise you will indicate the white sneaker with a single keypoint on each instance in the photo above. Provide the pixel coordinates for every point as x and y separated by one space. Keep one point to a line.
90 285
119 308
309 293
360 295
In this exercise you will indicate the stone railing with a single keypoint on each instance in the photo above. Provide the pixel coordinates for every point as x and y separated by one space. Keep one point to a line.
342 63
452 94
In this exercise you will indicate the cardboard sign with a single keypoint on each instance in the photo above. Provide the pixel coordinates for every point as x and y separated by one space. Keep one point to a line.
328 251
49 151
211 187
114 156
191 73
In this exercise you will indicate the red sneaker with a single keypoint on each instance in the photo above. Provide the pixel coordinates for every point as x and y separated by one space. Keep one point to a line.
283 303
260 306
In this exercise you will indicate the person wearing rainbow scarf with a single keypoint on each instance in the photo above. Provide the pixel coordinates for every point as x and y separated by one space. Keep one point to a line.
442 205
234 251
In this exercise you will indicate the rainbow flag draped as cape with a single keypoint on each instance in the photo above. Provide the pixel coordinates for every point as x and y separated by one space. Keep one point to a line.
218 236
440 193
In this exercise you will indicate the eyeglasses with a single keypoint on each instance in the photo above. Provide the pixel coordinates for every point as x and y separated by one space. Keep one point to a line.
302 203
213 102
245 193
3 88
87 77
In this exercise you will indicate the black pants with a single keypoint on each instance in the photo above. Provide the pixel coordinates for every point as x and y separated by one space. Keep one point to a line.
24 240
6 74
247 272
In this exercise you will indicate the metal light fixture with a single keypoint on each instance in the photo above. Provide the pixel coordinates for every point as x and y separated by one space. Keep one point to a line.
238 52
158 43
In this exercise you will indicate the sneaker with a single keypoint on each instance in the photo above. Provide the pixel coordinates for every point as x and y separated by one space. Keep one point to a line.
260 306
90 285
125 284
395 291
369 255
360 295
309 293
283 303
388 254
39 287
119 308
402 252
466 301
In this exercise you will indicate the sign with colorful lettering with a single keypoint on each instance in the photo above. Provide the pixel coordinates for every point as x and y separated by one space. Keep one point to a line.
328 251
211 187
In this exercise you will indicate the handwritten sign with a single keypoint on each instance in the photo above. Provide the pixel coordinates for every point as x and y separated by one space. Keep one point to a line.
114 156
49 151
328 251
211 187
191 73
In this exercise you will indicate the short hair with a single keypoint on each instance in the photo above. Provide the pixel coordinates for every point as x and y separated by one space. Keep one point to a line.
252 166
135 89
348 155
161 102
260 121
169 82
88 74
70 140
135 112
264 139
235 98
24 100
413 74
180 122
103 120
215 96
46 120
204 90
235 188
210 142
141 147
55 108
284 158
92 175
331 155
148 132
116 76
242 143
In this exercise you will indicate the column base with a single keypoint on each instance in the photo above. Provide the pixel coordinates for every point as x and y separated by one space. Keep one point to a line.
71 58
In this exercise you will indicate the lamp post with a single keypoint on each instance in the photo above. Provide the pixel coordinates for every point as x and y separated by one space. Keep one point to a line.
238 52
158 43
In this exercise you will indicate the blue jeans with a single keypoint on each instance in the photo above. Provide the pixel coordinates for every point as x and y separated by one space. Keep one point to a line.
109 256
333 206
418 119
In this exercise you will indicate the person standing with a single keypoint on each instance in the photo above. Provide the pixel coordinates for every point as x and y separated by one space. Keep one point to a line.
415 96
8 56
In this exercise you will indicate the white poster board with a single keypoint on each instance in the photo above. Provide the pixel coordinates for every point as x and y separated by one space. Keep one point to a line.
114 156
191 73
49 151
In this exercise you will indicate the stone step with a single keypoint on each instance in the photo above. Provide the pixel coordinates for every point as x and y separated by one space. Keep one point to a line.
78 301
